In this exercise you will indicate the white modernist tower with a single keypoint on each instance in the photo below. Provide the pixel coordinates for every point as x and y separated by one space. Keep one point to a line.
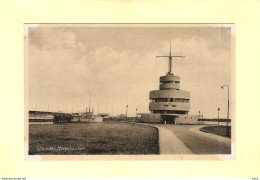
169 101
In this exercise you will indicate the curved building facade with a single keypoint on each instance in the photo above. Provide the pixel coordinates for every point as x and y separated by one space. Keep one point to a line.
169 104
169 100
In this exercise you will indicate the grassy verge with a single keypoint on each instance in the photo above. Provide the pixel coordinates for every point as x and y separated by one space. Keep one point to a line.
92 138
218 130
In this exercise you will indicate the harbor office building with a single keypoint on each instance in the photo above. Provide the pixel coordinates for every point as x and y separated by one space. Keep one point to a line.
169 104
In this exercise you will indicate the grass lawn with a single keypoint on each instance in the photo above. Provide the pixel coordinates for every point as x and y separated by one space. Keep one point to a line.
92 138
218 130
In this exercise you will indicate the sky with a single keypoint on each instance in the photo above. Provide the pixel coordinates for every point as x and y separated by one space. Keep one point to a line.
117 65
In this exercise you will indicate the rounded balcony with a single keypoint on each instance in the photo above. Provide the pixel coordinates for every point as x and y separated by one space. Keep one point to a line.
169 79
169 94
167 86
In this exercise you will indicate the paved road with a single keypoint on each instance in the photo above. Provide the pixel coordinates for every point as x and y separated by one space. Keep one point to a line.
198 142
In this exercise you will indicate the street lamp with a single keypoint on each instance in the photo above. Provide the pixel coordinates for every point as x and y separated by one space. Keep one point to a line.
136 113
218 115
199 114
126 113
228 107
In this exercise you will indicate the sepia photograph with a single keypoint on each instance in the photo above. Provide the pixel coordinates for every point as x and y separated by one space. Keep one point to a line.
129 89
143 90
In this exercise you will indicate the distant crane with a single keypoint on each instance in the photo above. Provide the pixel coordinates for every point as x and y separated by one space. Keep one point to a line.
169 73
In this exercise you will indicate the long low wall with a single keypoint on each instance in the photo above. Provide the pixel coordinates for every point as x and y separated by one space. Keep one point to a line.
187 119
151 118
179 119
41 120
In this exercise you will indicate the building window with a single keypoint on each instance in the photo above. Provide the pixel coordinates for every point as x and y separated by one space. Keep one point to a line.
170 100
176 112
160 100
158 111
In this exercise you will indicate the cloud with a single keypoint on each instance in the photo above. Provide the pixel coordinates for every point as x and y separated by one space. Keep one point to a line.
118 66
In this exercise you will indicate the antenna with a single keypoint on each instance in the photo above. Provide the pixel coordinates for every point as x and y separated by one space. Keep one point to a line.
169 73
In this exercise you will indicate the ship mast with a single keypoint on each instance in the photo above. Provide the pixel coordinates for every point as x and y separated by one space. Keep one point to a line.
89 103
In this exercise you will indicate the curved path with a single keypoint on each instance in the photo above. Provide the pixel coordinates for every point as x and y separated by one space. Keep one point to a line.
171 144
187 139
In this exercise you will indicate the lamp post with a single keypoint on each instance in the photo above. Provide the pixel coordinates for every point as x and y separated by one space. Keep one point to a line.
218 116
199 114
228 107
136 114
126 113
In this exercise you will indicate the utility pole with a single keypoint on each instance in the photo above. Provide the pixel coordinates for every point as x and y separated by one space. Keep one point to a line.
228 109
218 115
126 113
136 113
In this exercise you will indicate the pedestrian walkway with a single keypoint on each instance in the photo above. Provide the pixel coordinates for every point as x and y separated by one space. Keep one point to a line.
170 143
